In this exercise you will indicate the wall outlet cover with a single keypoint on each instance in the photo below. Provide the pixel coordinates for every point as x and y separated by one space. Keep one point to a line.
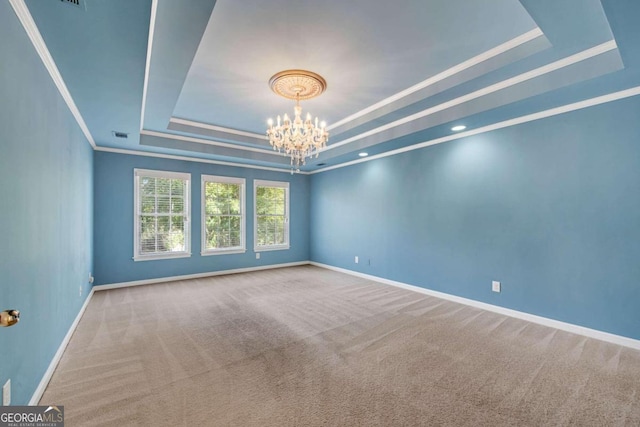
356 259
6 393
495 286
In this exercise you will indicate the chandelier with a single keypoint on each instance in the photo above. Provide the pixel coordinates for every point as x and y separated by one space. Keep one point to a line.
297 138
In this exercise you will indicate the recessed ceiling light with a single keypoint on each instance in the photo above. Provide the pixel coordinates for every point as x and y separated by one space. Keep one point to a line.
363 154
458 128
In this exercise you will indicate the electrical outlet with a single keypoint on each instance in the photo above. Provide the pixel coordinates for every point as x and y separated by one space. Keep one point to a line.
91 279
495 286
257 255
6 393
80 291
356 259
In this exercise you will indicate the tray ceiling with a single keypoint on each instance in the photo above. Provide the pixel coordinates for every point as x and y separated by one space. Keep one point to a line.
190 79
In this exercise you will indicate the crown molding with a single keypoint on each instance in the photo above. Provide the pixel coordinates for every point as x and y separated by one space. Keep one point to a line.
492 53
540 71
209 142
614 96
29 25
147 68
193 159
216 128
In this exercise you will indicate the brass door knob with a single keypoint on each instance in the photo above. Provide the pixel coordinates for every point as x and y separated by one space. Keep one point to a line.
9 317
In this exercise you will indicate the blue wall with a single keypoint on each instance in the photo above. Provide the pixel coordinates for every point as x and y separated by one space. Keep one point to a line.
45 211
113 210
550 208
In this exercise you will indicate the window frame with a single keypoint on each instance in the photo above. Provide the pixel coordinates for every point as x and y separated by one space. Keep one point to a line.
243 220
278 184
152 173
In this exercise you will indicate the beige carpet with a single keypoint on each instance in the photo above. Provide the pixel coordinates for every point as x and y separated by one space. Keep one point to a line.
306 346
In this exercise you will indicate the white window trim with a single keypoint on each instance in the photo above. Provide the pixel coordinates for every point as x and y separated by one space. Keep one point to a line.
243 236
137 173
281 184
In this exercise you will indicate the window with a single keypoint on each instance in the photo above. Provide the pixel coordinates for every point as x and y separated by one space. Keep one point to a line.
271 215
162 208
223 218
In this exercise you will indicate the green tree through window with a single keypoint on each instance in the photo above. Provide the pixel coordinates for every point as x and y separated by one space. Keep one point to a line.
162 200
223 214
272 215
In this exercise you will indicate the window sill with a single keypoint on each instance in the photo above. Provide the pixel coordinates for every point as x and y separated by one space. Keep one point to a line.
223 252
156 257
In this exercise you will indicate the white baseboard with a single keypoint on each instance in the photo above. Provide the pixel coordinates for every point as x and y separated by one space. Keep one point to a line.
196 276
37 395
580 330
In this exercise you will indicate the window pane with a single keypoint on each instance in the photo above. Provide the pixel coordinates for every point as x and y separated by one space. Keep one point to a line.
226 206
261 231
177 223
235 238
148 186
148 204
262 202
177 187
175 238
235 191
269 231
210 206
235 223
209 194
279 207
212 235
162 186
148 245
224 223
234 207
147 234
164 204
177 205
163 224
279 233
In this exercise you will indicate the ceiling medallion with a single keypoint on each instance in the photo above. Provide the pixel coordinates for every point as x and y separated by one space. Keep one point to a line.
299 138
297 84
